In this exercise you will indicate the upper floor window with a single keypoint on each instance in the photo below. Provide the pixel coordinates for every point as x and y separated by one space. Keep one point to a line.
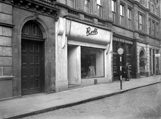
113 9
149 25
71 3
142 1
129 17
153 28
100 8
122 14
88 6
152 8
157 29
157 10
141 22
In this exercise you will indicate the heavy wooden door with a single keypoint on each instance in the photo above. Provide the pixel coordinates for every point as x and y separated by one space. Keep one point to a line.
32 67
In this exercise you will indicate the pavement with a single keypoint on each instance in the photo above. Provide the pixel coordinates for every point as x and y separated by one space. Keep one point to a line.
40 103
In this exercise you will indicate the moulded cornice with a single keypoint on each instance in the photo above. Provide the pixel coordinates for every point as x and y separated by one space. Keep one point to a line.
155 16
41 6
141 6
87 23
123 37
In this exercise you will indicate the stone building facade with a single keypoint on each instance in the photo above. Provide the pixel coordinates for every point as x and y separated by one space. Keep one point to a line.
83 43
48 46
136 28
27 47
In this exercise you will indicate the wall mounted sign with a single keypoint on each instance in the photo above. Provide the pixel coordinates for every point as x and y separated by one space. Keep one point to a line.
87 33
122 40
91 31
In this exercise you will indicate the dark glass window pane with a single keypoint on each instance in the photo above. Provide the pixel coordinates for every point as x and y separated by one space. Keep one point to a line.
92 62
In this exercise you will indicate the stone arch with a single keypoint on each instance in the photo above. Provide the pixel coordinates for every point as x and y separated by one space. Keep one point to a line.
40 22
17 49
32 58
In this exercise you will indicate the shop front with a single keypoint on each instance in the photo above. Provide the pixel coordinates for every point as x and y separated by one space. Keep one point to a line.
127 56
154 60
83 54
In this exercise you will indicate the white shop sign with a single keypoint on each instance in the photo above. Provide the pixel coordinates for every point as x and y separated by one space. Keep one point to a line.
90 33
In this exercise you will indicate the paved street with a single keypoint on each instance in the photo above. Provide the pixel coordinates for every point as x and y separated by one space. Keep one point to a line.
142 103
36 104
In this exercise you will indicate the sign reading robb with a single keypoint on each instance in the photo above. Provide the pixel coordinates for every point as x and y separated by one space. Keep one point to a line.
86 33
91 32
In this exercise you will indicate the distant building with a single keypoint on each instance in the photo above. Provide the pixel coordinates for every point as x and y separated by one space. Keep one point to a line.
48 46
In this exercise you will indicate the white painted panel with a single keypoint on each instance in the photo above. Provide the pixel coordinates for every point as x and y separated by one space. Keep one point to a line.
87 33
99 64
74 65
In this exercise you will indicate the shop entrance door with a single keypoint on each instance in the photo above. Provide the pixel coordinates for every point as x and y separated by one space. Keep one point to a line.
142 63
32 67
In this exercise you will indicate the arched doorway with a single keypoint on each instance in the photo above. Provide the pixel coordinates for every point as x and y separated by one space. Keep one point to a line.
32 59
142 63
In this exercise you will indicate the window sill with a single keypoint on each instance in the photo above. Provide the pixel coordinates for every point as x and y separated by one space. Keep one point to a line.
93 77
6 78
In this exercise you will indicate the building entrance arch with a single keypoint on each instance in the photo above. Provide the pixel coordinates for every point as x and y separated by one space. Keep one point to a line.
32 59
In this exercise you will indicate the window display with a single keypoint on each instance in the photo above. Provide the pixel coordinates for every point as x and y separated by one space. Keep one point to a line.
92 62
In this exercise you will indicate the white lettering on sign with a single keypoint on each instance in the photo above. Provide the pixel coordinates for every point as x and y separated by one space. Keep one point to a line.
157 55
89 31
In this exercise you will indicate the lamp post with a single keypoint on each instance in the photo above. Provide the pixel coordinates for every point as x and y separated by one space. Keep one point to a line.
120 51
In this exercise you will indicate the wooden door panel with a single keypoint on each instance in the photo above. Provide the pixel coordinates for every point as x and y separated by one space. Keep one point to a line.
32 66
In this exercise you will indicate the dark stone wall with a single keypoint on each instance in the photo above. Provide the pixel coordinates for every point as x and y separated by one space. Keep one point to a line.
134 60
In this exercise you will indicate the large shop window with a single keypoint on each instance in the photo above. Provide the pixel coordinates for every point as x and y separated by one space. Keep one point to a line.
92 62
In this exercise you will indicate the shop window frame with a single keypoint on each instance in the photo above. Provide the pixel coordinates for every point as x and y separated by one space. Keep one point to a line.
84 74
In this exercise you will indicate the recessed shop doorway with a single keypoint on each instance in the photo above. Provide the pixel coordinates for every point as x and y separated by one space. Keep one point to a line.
142 63
32 59
74 65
